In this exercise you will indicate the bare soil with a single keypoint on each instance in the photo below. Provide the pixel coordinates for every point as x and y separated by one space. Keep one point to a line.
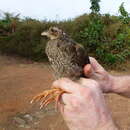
21 79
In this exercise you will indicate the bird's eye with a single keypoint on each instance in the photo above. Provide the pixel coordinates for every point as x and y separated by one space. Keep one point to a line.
52 30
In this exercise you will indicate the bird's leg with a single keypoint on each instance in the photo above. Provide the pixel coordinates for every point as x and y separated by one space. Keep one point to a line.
48 96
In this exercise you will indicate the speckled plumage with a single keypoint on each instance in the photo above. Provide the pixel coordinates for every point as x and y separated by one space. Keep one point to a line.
67 58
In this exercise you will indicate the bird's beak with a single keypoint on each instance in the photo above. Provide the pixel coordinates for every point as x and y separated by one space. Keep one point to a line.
44 33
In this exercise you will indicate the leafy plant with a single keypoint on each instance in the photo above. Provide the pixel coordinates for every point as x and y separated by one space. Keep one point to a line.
95 7
105 37
92 34
124 14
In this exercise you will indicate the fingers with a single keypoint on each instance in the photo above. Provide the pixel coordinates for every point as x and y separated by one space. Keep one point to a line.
95 65
89 83
69 87
64 101
90 70
66 85
60 107
66 98
84 81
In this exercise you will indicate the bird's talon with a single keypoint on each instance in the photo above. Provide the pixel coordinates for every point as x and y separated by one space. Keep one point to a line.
48 96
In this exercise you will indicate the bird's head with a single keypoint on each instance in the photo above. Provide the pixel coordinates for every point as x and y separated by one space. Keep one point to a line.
53 33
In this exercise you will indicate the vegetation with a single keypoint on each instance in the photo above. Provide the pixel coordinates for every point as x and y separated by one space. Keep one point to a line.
95 7
104 36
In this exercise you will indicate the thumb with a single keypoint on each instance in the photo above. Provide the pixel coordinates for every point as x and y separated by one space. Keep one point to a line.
93 69
88 70
95 65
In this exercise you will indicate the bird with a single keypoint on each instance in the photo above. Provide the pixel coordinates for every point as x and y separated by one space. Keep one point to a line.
67 59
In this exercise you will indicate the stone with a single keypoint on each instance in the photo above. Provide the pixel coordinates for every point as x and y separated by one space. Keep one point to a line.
19 121
24 126
28 117
36 123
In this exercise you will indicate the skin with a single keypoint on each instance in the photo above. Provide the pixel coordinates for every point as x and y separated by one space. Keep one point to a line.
84 107
98 73
108 82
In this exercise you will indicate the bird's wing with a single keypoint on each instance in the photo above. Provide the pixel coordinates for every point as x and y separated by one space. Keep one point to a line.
82 56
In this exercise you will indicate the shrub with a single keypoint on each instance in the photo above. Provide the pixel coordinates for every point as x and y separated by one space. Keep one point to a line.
105 37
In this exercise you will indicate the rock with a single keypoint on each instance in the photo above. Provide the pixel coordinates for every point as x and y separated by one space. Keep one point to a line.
19 121
36 123
24 126
27 126
28 117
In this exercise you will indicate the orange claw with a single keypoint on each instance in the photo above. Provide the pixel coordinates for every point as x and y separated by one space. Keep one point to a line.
48 96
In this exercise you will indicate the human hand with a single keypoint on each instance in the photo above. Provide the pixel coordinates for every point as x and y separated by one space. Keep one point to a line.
97 72
84 106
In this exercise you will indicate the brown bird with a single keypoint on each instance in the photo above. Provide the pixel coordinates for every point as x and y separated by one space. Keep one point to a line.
67 59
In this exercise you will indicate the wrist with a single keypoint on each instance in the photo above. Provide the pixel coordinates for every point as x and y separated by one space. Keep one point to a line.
115 84
109 85
112 83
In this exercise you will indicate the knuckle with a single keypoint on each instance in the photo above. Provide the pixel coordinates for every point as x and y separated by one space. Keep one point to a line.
59 81
65 80
55 83
92 59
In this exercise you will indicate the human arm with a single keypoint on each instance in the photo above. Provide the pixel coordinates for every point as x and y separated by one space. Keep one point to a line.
121 85
84 106
108 82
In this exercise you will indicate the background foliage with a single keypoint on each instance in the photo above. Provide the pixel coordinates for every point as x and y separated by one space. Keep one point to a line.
104 36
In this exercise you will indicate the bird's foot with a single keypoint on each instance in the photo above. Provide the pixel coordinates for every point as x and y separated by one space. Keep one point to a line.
48 96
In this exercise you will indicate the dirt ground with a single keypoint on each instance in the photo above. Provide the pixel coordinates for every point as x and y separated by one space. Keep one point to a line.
21 79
